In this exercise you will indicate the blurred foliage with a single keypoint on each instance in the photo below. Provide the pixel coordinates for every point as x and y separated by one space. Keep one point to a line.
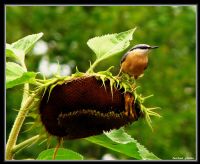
171 75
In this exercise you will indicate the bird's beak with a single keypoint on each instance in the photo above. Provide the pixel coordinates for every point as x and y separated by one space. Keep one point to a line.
153 47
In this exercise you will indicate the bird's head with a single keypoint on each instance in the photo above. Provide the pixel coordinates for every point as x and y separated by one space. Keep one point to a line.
142 49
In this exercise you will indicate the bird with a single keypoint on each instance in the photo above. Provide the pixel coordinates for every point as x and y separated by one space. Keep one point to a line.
135 61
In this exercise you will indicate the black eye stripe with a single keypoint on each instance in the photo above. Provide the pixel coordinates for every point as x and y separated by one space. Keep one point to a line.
140 47
144 47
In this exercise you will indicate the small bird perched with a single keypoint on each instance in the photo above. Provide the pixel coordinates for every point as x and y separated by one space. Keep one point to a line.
135 61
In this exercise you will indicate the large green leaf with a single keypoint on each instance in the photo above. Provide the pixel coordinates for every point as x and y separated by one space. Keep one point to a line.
18 49
120 141
13 71
26 43
120 136
14 53
16 75
62 154
109 45
144 153
130 149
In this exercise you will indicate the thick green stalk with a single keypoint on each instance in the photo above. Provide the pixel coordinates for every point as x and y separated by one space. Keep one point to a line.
92 66
25 143
26 102
16 127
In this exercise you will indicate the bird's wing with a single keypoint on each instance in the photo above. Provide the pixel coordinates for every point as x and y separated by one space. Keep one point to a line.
124 57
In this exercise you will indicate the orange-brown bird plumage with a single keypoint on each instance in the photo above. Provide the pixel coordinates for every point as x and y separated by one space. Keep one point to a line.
135 61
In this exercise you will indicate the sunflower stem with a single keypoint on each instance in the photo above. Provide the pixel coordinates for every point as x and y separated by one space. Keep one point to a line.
26 101
25 143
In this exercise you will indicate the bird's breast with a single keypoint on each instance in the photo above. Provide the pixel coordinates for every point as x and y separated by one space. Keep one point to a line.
135 64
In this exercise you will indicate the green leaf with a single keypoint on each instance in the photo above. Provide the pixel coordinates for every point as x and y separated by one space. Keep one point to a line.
109 45
18 49
120 141
130 149
26 43
62 154
27 77
144 153
16 75
13 53
120 136
13 71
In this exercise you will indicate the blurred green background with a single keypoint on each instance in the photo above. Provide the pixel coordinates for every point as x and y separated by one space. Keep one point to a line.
171 75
